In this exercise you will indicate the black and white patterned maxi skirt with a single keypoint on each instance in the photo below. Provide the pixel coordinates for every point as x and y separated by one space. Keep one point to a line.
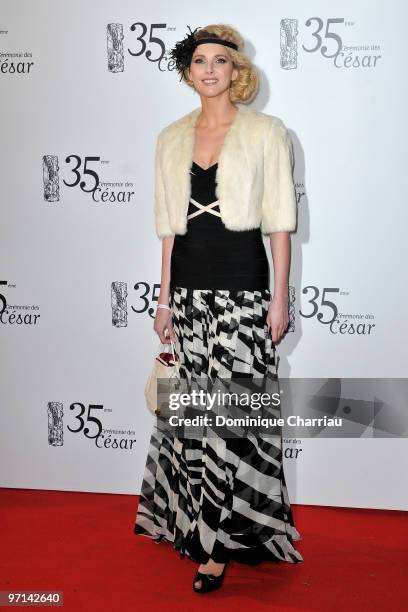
220 499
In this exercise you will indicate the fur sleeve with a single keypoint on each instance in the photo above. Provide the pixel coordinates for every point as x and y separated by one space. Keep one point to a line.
162 222
279 197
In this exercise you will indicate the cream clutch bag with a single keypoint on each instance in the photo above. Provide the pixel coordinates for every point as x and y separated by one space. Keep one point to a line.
165 365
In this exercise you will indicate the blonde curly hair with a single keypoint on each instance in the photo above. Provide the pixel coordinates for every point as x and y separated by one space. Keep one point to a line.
245 87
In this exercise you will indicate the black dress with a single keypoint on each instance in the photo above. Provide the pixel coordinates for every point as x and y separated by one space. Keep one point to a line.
210 256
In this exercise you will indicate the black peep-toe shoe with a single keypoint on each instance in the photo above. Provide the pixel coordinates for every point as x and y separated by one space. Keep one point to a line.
209 582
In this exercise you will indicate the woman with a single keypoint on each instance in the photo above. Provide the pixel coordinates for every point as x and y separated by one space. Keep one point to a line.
223 178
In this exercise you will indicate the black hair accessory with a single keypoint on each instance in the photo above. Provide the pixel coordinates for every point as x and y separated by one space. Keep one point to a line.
183 50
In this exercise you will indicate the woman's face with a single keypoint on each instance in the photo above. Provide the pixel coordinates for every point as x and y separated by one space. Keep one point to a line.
211 69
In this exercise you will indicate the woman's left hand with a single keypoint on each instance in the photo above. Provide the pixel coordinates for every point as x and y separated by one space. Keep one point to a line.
277 319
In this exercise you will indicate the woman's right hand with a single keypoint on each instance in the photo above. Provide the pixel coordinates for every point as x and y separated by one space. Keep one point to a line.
163 325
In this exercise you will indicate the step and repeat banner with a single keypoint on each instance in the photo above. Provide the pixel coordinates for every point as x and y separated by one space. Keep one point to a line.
85 87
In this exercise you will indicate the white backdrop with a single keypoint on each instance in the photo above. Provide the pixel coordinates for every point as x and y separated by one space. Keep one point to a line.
80 274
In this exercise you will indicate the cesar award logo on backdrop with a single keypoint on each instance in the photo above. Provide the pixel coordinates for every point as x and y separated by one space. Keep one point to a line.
322 305
51 169
85 173
325 37
144 44
88 425
16 314
144 294
14 62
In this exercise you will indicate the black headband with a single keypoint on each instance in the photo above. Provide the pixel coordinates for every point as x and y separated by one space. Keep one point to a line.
214 39
183 50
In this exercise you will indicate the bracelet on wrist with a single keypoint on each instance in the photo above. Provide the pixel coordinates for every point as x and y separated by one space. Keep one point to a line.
163 306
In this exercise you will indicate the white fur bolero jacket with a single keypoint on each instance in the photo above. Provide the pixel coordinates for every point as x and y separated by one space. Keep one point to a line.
254 174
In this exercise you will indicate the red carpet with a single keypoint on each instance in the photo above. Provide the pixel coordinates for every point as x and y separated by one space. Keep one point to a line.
83 544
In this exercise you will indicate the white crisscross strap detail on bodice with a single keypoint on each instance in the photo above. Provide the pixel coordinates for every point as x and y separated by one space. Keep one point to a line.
202 208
